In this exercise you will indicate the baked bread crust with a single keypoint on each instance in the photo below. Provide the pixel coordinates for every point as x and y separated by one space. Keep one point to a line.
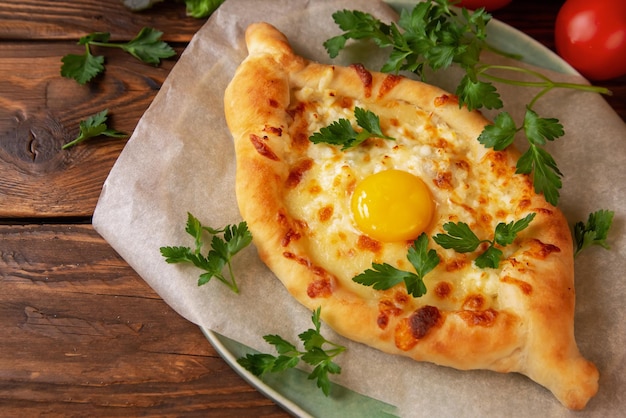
527 327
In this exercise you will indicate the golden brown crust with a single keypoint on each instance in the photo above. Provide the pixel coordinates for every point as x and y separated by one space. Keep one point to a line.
528 330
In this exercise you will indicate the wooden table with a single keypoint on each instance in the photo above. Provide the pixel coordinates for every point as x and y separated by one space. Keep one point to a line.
81 333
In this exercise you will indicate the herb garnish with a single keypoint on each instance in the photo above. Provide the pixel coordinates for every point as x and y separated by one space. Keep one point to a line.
289 356
594 232
93 126
432 35
146 47
341 132
385 276
462 239
223 249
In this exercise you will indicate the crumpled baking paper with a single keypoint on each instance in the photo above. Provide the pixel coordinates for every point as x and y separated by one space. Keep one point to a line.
180 159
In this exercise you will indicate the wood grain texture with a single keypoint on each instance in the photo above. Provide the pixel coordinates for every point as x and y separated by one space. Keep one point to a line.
40 111
71 19
83 335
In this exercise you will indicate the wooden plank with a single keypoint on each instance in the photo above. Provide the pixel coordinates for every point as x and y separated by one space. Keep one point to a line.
40 111
70 19
82 334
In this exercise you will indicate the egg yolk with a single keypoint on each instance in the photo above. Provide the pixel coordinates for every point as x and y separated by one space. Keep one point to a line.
392 205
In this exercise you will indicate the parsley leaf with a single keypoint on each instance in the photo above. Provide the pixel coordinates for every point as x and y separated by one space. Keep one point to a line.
434 35
341 132
499 135
289 356
202 8
594 232
536 160
235 238
93 126
146 47
385 276
462 239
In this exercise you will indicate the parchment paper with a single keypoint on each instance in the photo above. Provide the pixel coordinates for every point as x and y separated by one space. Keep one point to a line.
180 159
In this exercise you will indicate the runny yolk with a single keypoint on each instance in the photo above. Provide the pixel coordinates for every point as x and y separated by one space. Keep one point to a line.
392 205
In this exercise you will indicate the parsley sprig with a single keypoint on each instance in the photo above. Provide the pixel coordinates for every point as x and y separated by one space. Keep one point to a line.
434 36
462 239
146 47
594 232
234 239
384 276
341 132
289 356
93 126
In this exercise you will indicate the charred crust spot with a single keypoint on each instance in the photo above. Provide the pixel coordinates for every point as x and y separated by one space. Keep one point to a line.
442 290
273 103
544 211
386 308
524 204
273 130
297 110
366 243
262 148
291 235
540 250
388 84
484 318
365 76
445 99
320 288
297 172
526 288
422 320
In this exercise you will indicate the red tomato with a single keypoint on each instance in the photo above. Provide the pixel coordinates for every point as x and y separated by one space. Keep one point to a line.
487 4
591 36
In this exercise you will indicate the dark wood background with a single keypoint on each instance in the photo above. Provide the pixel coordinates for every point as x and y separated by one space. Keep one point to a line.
81 333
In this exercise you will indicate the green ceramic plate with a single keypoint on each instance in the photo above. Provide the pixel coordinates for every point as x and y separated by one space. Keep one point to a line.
291 389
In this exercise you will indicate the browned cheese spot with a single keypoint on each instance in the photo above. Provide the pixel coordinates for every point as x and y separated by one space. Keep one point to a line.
474 302
262 148
442 290
456 264
365 76
297 172
484 318
443 180
346 102
326 213
368 244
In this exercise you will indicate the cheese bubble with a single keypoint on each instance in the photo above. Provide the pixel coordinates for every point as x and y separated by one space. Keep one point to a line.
392 205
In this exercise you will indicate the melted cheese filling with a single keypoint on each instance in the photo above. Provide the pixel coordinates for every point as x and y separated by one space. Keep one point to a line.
425 147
